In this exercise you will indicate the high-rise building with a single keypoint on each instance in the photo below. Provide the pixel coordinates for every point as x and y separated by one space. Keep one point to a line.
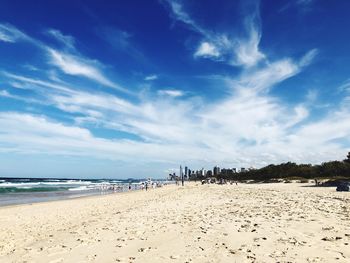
216 170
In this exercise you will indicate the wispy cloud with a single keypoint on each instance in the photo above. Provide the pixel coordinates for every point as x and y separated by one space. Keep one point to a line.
180 14
4 93
171 92
206 49
247 49
266 77
308 57
249 114
77 65
234 49
248 125
9 33
151 77
60 139
301 5
117 38
70 62
67 41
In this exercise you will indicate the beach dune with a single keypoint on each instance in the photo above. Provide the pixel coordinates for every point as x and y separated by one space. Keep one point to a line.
195 223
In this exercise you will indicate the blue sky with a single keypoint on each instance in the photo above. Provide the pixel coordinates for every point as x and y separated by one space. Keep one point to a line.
125 89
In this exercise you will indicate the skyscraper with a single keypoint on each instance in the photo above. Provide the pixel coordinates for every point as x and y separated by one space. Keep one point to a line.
216 170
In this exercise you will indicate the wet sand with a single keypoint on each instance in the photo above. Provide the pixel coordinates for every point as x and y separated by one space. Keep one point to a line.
195 223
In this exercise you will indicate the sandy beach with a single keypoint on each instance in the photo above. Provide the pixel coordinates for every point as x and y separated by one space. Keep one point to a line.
195 223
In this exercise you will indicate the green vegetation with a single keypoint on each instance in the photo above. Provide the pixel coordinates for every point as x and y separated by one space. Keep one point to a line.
329 170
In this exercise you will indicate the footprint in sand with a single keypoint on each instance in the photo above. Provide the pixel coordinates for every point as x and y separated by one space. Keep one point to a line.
327 228
331 238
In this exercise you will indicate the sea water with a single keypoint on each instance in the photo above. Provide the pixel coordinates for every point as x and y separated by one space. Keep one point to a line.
29 190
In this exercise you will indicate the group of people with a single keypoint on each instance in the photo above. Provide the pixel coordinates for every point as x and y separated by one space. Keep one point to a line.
147 185
110 187
218 181
143 186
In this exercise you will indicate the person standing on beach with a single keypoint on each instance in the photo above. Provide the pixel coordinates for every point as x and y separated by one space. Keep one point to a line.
146 186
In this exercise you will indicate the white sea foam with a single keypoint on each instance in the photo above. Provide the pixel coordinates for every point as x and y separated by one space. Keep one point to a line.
19 184
36 184
66 182
80 188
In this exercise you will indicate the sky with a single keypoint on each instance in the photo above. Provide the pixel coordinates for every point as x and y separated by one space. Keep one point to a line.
133 89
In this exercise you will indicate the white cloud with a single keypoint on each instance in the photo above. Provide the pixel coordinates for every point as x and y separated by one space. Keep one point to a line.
67 41
28 82
234 49
247 49
30 67
151 77
169 127
300 114
73 65
249 115
308 57
206 49
320 134
247 126
265 78
38 125
36 134
77 65
171 92
4 93
345 86
248 121
70 63
84 102
181 15
11 34
70 99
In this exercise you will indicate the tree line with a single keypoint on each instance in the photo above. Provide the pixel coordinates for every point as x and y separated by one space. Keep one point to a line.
332 169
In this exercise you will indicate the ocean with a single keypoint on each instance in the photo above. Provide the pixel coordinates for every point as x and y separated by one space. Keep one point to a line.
31 190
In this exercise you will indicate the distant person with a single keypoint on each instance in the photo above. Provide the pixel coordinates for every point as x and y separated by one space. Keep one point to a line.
129 187
146 186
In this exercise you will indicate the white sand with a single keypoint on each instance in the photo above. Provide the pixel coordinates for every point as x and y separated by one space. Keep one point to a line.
210 223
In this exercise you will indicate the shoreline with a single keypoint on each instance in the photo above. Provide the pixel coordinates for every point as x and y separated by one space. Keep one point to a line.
92 196
198 183
67 198
27 191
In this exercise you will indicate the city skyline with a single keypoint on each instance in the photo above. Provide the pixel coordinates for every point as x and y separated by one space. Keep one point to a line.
132 89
